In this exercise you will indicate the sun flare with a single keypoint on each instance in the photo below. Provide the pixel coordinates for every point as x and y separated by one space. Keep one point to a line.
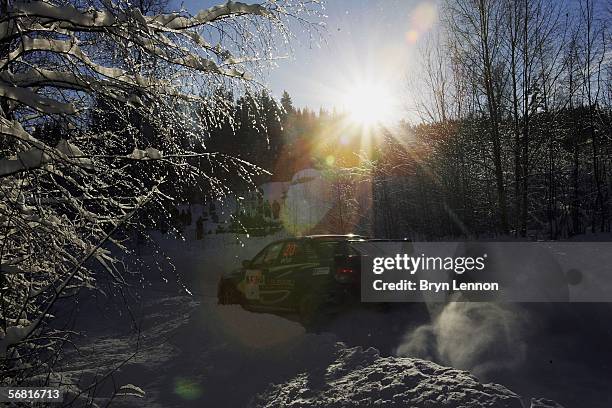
368 104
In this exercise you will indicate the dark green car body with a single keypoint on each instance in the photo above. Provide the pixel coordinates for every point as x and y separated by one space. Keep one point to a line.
307 275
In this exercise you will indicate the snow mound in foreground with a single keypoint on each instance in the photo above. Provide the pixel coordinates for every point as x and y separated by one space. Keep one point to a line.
361 378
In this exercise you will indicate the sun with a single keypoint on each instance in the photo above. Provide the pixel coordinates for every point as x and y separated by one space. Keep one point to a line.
368 104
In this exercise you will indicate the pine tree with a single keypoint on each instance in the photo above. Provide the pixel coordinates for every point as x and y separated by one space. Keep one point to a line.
287 105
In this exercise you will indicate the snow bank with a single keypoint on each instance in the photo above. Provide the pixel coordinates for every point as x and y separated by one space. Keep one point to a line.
361 378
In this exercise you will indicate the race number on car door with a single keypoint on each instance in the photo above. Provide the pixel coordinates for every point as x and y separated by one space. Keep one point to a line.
253 280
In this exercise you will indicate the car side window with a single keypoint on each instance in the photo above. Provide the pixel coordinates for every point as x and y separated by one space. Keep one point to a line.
268 256
289 253
295 252
309 254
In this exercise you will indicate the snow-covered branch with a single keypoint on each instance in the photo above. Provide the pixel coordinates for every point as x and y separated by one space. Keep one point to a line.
100 102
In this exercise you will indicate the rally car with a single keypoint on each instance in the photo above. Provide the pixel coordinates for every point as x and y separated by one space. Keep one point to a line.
307 275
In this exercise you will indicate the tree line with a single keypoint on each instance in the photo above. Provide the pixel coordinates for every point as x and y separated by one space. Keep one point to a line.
515 124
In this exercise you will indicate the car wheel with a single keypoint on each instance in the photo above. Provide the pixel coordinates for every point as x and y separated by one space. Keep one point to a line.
227 296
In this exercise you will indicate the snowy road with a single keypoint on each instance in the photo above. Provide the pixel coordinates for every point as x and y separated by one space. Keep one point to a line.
189 351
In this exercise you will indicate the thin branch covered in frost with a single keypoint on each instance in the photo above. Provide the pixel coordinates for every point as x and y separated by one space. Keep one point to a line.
99 103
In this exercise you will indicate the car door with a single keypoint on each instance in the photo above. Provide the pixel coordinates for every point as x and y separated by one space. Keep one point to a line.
255 273
283 281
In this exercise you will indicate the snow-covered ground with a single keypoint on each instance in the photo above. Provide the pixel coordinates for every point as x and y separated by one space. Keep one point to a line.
189 351
362 378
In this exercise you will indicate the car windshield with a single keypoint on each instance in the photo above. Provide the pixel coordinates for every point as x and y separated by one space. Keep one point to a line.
267 256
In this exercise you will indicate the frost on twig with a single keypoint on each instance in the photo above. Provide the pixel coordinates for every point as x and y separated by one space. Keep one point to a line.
148 153
14 335
130 390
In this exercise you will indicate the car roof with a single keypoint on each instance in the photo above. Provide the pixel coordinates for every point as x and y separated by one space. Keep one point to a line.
333 237
323 237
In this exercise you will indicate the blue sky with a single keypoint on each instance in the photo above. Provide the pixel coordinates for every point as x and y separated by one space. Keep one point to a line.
366 42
